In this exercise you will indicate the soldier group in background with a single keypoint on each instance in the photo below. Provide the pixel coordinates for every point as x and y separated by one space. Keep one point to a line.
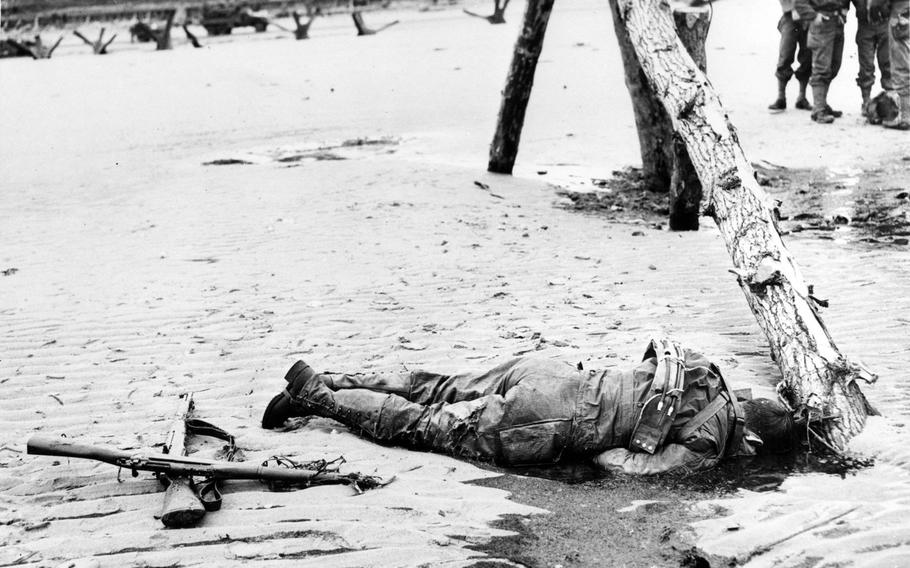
812 35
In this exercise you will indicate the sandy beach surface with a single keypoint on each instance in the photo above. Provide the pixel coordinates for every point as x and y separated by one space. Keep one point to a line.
196 220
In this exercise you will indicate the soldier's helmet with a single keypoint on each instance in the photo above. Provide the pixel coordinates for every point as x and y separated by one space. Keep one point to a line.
773 423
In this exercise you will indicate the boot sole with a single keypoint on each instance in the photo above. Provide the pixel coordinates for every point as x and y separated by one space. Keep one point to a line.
277 411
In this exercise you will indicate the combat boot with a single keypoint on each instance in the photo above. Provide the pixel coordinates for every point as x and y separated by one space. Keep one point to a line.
280 408
801 102
781 102
902 120
820 107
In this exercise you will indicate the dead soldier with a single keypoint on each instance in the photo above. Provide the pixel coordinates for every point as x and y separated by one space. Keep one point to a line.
671 413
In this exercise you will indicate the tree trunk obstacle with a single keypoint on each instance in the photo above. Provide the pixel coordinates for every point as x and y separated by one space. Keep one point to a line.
99 46
517 92
36 49
363 30
302 29
819 382
191 37
163 35
499 12
665 162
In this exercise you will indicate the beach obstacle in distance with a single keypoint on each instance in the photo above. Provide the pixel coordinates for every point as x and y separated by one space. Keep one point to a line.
36 48
143 32
191 37
499 12
363 30
99 46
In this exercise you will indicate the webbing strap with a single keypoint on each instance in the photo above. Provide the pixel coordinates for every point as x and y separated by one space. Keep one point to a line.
715 406
719 403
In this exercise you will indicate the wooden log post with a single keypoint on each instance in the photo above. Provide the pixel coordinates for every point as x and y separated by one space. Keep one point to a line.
818 381
517 92
191 37
499 12
665 163
692 25
163 35
363 29
302 29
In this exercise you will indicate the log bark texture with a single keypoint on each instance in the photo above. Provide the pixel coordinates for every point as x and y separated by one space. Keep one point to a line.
692 26
817 379
517 92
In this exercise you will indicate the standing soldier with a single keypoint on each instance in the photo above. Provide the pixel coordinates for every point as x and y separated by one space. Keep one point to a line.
871 42
826 40
793 34
898 12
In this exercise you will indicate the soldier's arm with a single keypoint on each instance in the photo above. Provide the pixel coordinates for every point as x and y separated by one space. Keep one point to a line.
668 458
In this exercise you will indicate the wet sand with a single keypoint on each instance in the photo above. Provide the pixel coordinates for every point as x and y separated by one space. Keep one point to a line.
141 273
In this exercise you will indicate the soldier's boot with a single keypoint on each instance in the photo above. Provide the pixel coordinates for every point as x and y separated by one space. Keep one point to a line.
820 105
866 93
801 102
781 102
902 120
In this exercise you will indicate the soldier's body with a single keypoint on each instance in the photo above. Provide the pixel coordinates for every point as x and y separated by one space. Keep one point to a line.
871 44
826 40
898 13
672 412
793 38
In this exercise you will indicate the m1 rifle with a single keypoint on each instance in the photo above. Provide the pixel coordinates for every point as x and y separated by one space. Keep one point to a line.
284 474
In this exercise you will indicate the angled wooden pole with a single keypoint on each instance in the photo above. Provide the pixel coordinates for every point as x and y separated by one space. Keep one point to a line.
818 381
517 92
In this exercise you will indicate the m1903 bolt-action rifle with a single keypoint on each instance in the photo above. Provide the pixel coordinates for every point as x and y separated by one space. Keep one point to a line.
283 474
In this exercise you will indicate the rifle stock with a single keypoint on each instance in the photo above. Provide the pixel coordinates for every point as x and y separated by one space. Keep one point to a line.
181 507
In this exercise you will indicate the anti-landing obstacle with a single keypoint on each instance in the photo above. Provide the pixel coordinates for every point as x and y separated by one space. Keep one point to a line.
819 383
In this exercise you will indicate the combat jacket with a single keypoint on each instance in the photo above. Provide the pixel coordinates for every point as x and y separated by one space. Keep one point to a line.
610 406
808 9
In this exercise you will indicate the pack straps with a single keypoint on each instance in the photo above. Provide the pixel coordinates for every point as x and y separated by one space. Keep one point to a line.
659 411
720 402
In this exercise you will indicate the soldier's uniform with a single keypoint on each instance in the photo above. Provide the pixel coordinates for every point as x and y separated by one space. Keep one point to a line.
899 44
871 44
672 412
793 37
826 40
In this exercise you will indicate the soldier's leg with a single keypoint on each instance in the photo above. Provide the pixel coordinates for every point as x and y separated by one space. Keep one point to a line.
786 52
426 388
804 70
466 428
899 42
866 36
821 42
883 52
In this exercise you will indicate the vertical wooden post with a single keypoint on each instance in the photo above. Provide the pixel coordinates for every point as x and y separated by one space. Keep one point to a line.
692 26
655 133
517 92
665 164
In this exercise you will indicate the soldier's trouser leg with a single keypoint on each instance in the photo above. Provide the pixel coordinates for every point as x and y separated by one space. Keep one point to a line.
427 388
789 40
826 40
464 428
883 53
866 50
899 41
